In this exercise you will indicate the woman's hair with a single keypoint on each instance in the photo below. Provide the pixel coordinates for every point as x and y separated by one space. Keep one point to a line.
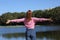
28 15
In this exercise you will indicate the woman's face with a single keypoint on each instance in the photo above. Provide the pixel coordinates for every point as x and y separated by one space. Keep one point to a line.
29 14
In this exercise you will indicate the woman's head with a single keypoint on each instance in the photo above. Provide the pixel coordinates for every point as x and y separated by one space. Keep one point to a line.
29 14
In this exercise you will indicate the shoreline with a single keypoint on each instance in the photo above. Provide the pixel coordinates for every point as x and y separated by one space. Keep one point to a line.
15 26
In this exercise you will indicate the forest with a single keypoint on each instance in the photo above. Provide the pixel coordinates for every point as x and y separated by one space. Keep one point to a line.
53 13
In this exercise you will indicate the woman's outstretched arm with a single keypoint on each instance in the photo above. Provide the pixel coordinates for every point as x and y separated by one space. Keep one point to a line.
43 19
46 19
15 20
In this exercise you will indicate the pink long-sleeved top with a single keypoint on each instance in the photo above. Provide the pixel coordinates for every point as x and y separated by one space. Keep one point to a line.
31 23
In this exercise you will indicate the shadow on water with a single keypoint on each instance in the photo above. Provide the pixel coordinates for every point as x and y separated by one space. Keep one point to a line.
54 35
15 35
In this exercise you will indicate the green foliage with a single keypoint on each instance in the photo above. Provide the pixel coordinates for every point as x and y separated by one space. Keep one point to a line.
37 13
53 13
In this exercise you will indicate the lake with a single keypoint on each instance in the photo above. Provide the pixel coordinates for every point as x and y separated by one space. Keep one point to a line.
18 32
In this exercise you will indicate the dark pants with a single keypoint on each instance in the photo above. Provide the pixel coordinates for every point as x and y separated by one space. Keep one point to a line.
30 34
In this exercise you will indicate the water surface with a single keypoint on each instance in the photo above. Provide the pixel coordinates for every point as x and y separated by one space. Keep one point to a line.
18 33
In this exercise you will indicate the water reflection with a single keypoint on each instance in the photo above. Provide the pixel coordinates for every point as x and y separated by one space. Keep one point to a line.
54 35
18 33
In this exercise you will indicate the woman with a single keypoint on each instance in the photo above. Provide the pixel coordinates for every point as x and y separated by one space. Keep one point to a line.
29 23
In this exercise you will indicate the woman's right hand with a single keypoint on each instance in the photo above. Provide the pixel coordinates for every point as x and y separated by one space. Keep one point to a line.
8 22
